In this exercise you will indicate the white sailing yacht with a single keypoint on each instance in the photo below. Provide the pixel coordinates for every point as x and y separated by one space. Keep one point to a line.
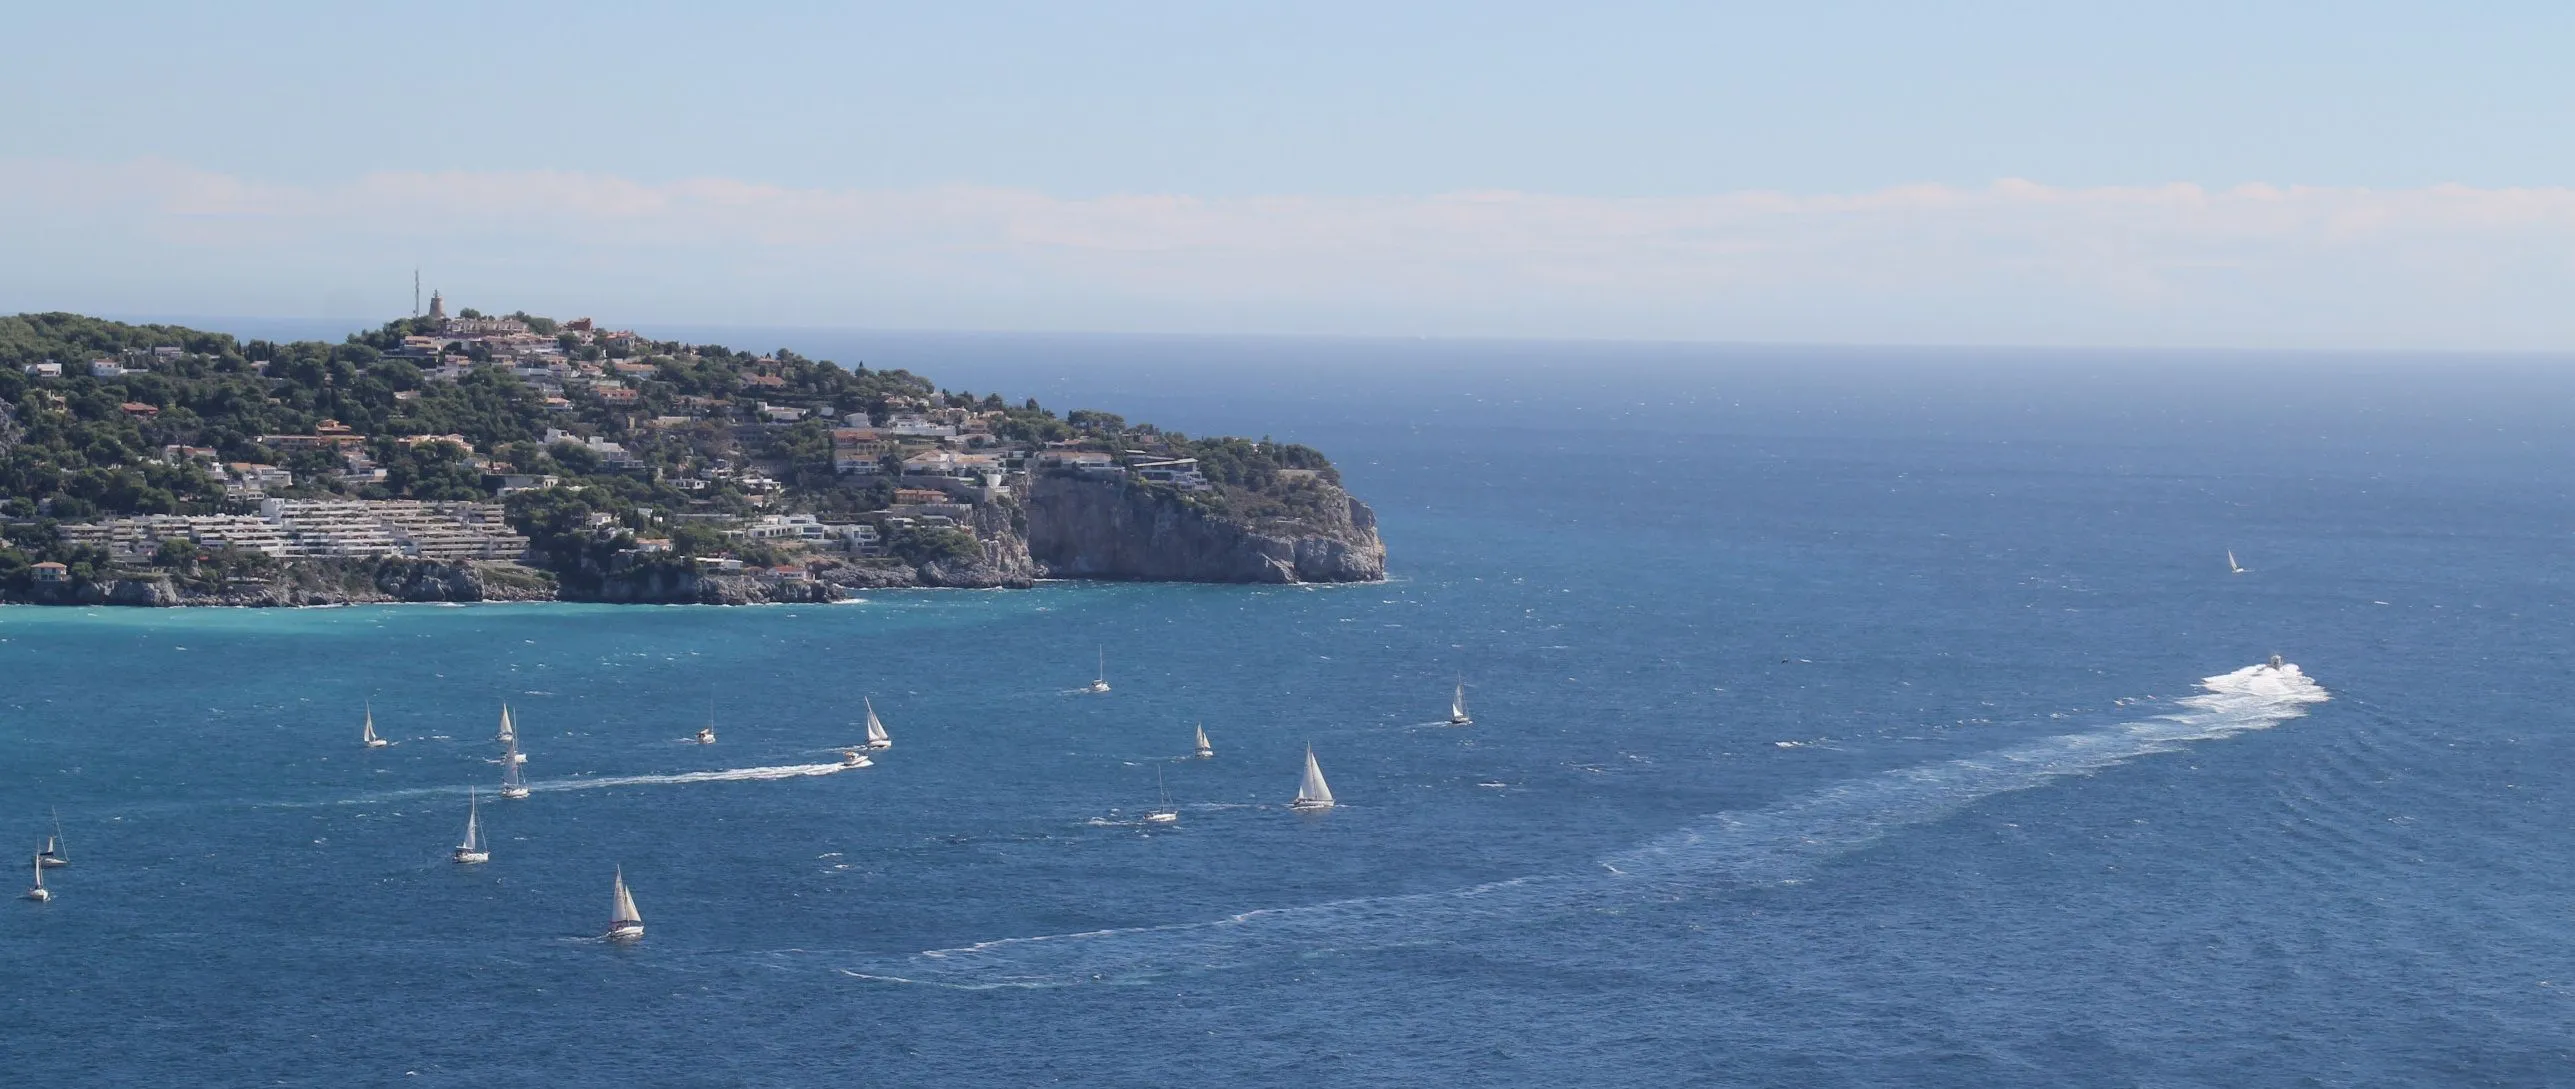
40 893
1312 793
1101 682
624 922
877 738
514 781
1205 750
509 733
2232 567
1457 706
53 855
367 732
1166 813
706 733
473 850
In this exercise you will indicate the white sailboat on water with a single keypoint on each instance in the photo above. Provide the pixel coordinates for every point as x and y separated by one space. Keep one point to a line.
706 733
509 733
1100 683
514 782
40 893
1166 813
473 849
2232 567
1312 793
54 855
624 922
1457 706
877 738
1205 750
367 732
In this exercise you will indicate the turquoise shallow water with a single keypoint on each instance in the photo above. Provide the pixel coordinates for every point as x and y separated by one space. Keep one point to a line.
1849 729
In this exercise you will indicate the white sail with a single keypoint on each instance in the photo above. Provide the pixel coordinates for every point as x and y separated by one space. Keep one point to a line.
624 911
367 733
473 825
1204 749
1313 793
511 778
2231 565
508 732
1457 703
876 735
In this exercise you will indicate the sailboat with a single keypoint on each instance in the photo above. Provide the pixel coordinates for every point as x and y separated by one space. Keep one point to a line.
367 732
2232 567
624 922
53 855
1312 793
514 782
706 733
473 850
877 738
509 733
1457 706
1205 750
1101 683
1166 813
40 893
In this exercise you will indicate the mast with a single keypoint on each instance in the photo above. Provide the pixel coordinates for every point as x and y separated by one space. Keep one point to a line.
1103 677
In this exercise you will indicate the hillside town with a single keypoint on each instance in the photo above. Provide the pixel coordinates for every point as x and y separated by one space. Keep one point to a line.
565 445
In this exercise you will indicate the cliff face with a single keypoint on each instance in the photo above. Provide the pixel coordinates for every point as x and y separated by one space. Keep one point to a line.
1081 527
317 582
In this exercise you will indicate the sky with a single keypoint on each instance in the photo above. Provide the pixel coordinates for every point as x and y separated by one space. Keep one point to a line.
2295 175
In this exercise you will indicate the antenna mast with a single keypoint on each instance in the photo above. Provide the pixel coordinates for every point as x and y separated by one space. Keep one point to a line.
415 292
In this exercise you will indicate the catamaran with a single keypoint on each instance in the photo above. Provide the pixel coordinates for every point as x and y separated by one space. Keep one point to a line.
1166 813
473 850
624 922
1457 707
2232 567
40 893
1205 750
1312 793
514 782
367 732
1101 682
877 738
53 855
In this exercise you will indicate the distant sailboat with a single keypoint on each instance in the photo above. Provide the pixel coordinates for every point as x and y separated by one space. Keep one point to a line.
509 733
624 922
1166 813
1101 683
1457 706
706 733
2232 567
53 855
1205 750
514 783
1312 793
367 732
473 849
877 738
40 893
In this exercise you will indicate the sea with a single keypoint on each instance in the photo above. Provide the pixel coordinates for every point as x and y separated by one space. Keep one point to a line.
1842 717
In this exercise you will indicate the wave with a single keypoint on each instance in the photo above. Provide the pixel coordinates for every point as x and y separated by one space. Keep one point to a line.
1771 845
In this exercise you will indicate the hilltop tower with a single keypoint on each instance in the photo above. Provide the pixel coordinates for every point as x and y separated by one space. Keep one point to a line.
437 307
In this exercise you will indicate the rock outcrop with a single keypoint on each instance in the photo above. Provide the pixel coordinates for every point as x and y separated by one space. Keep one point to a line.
1092 528
314 582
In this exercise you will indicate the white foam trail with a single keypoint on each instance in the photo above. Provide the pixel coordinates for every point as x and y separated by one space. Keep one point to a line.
730 775
1762 846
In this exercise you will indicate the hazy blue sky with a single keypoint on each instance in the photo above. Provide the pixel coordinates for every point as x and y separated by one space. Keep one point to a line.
1965 172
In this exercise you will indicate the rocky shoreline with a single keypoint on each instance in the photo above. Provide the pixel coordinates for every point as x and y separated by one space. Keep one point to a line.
1073 528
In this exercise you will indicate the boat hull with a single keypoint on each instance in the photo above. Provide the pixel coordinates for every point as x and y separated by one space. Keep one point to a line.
625 932
514 792
40 895
468 858
1309 807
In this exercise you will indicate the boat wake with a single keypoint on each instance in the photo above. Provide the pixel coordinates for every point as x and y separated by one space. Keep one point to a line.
730 775
1778 843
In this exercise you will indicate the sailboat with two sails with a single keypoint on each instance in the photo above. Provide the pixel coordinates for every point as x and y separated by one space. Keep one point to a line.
367 731
1312 794
1166 813
474 848
1205 750
54 855
625 924
1457 706
514 780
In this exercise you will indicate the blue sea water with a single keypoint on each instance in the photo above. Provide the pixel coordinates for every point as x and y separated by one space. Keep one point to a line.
1843 718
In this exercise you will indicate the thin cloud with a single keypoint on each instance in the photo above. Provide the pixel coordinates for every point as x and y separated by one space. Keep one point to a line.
2013 261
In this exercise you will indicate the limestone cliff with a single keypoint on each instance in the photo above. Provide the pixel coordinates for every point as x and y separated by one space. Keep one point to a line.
1093 528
